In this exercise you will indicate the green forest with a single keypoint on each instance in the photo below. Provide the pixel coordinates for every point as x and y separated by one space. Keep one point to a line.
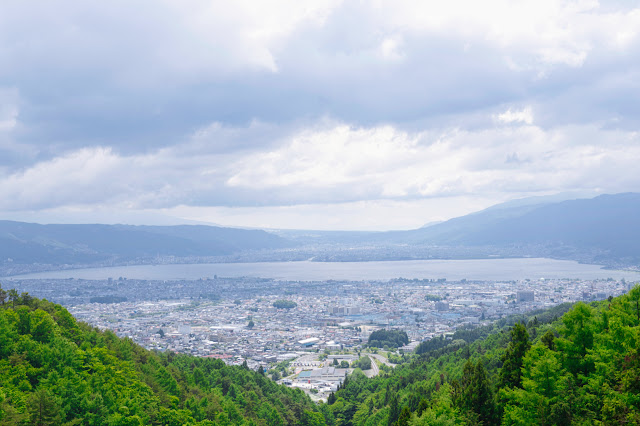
575 364
388 338
548 368
54 370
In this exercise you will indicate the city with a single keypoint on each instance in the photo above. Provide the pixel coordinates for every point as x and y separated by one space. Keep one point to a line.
235 320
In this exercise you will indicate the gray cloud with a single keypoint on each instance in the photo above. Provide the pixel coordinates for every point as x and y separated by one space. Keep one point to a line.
162 104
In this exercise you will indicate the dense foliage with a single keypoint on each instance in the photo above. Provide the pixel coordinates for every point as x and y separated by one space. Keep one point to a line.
582 367
388 338
54 370
284 304
363 363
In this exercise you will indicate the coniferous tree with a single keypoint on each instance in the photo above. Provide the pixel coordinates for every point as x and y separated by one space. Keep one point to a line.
511 372
482 396
579 336
394 410
422 406
3 295
13 296
474 393
548 340
405 416
44 409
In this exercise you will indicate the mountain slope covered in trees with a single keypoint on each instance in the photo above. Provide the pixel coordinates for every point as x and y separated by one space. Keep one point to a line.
583 368
54 370
568 365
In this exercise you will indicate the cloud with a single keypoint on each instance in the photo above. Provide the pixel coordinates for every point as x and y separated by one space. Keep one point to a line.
275 104
516 116
383 163
358 215
334 163
11 151
143 76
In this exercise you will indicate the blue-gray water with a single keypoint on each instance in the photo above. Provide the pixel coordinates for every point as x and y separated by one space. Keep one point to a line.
477 269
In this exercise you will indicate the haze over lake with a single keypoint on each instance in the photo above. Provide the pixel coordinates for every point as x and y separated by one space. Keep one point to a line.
474 269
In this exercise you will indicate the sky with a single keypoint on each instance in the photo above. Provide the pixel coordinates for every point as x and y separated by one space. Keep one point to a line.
351 115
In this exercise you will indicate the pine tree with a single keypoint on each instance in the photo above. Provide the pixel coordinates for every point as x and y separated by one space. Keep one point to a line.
43 409
422 406
3 295
404 418
394 410
482 397
511 372
548 340
474 395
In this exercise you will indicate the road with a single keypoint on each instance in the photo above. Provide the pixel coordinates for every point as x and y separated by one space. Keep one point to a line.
375 370
382 360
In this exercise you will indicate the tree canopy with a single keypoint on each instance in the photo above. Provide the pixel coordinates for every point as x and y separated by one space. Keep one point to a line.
388 338
54 370
284 304
544 368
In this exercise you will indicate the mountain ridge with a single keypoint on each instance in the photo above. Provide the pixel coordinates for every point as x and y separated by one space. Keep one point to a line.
85 243
604 229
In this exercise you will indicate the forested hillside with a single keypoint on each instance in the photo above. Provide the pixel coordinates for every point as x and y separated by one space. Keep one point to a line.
567 365
54 370
583 368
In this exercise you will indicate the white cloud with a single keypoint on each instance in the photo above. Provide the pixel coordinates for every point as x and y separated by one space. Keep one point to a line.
358 215
383 162
10 125
197 38
391 48
335 167
524 115
152 42
548 31
82 175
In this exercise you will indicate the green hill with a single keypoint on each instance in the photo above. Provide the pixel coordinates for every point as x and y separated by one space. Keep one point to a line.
54 370
580 368
575 364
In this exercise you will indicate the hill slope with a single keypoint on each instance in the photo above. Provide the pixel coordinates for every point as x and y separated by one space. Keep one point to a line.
607 224
55 371
583 368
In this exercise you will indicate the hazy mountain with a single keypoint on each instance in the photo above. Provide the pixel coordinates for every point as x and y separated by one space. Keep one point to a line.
605 228
34 243
601 229
608 223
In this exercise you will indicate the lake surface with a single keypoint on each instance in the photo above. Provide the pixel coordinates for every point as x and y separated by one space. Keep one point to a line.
476 269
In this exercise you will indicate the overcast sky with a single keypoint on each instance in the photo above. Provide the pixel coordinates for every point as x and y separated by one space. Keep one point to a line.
321 115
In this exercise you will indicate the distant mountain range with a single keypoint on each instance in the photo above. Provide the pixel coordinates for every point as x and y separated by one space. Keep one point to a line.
608 225
74 244
604 229
610 222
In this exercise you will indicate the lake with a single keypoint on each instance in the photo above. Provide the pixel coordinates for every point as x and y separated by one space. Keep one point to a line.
453 270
